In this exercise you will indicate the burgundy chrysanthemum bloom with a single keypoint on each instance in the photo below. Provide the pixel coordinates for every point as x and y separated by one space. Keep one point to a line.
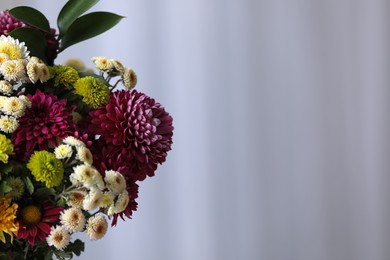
43 124
35 221
136 130
9 23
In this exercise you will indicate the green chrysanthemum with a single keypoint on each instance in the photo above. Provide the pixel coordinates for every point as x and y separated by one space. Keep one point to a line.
93 91
46 168
6 148
63 75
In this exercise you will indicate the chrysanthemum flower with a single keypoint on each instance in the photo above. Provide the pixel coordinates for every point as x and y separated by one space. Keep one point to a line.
121 202
93 91
47 121
13 48
9 23
115 181
84 155
73 219
96 227
33 71
17 186
13 70
129 78
93 199
118 66
135 130
132 190
107 200
8 124
59 237
14 106
3 58
35 221
102 63
73 141
63 151
8 224
6 148
63 75
5 87
44 74
84 175
75 199
45 167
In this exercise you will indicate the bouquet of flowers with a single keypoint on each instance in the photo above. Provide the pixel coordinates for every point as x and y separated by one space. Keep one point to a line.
74 146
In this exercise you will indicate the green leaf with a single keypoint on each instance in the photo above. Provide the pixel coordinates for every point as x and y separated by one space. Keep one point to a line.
71 11
29 185
31 16
88 26
34 40
44 193
4 188
76 247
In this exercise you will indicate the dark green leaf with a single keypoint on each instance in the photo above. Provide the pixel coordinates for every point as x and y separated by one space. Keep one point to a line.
88 26
71 11
34 40
77 247
29 185
43 193
31 16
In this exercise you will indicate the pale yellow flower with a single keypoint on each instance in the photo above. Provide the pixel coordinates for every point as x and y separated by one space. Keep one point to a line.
107 200
5 87
73 141
63 151
13 48
73 219
122 202
129 78
96 227
8 124
93 199
84 155
8 224
76 63
75 199
115 181
59 238
102 63
44 74
33 71
14 106
13 70
3 57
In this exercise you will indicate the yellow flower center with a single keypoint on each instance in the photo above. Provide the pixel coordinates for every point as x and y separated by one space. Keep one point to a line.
31 215
12 50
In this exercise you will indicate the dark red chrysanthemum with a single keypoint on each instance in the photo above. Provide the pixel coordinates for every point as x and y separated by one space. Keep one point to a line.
9 23
137 132
43 124
35 221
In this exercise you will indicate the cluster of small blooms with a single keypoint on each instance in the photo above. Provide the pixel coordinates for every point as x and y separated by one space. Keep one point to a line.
110 68
88 192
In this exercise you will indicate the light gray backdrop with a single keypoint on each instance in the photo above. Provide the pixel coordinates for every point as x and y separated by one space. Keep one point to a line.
281 145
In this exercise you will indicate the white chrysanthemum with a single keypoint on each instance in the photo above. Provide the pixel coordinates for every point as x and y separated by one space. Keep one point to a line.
5 87
13 48
84 175
13 70
35 59
99 182
44 74
76 63
118 66
84 155
14 106
33 71
96 227
8 124
129 78
73 141
59 238
122 202
75 199
107 200
102 63
115 181
73 219
63 151
17 186
93 199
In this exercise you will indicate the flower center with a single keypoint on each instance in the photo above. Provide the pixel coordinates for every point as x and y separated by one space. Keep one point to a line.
31 215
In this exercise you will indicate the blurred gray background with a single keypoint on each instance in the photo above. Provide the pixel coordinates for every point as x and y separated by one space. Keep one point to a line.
281 114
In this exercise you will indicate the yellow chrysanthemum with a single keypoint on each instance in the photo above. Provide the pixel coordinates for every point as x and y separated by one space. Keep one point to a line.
13 48
76 63
93 91
13 70
63 75
45 167
102 63
7 218
6 148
